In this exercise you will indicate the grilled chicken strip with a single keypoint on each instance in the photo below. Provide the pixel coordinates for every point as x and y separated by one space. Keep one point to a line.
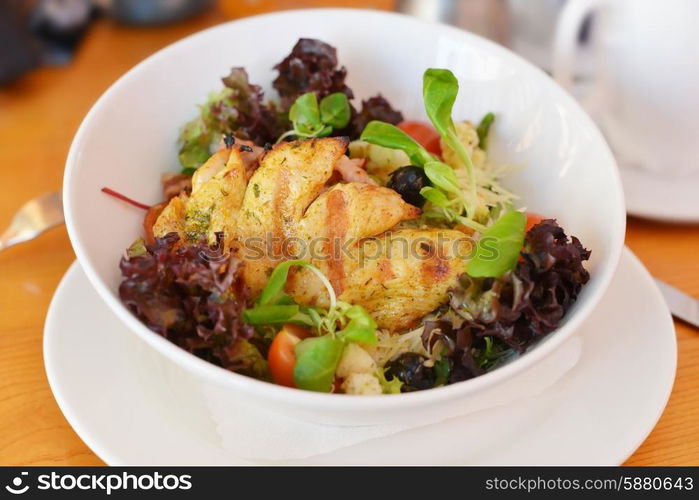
398 277
405 274
289 178
218 187
339 219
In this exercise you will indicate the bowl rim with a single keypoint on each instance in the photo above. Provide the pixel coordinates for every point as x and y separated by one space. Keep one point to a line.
341 402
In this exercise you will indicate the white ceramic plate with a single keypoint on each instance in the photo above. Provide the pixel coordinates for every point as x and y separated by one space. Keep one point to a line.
598 413
669 199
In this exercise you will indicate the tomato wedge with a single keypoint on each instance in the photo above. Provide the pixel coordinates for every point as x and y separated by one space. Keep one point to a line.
423 133
149 220
281 357
532 220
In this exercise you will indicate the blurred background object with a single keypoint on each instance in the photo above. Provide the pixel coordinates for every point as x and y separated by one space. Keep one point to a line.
40 32
525 26
48 32
59 25
642 89
488 18
645 89
241 8
152 11
19 52
533 27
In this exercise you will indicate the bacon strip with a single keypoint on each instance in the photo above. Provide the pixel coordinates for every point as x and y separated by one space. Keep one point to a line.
352 170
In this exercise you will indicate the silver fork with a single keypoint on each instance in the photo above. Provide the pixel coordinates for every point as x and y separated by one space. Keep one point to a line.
33 218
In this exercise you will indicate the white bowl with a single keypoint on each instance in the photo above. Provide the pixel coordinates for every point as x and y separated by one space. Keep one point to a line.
129 138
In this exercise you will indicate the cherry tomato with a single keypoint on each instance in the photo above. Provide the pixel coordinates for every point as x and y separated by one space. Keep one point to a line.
424 133
149 220
532 220
281 357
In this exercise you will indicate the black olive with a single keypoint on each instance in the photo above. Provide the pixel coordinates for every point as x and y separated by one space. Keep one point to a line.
409 369
407 182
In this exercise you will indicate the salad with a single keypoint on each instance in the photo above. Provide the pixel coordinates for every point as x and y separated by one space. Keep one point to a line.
320 243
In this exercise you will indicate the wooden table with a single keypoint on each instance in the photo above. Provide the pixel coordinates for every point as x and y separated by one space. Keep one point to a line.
38 117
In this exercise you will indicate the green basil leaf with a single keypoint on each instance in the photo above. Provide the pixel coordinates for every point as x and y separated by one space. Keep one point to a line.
476 226
433 213
360 328
324 132
442 369
392 386
198 134
266 314
137 249
305 115
335 110
302 346
498 248
358 333
439 90
389 136
360 315
316 361
315 316
435 196
273 292
483 129
442 176
302 318
193 154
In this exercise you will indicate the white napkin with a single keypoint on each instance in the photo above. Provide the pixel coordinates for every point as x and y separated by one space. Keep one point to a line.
257 434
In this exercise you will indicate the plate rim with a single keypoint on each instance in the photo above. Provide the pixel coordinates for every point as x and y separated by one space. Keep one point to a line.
638 210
